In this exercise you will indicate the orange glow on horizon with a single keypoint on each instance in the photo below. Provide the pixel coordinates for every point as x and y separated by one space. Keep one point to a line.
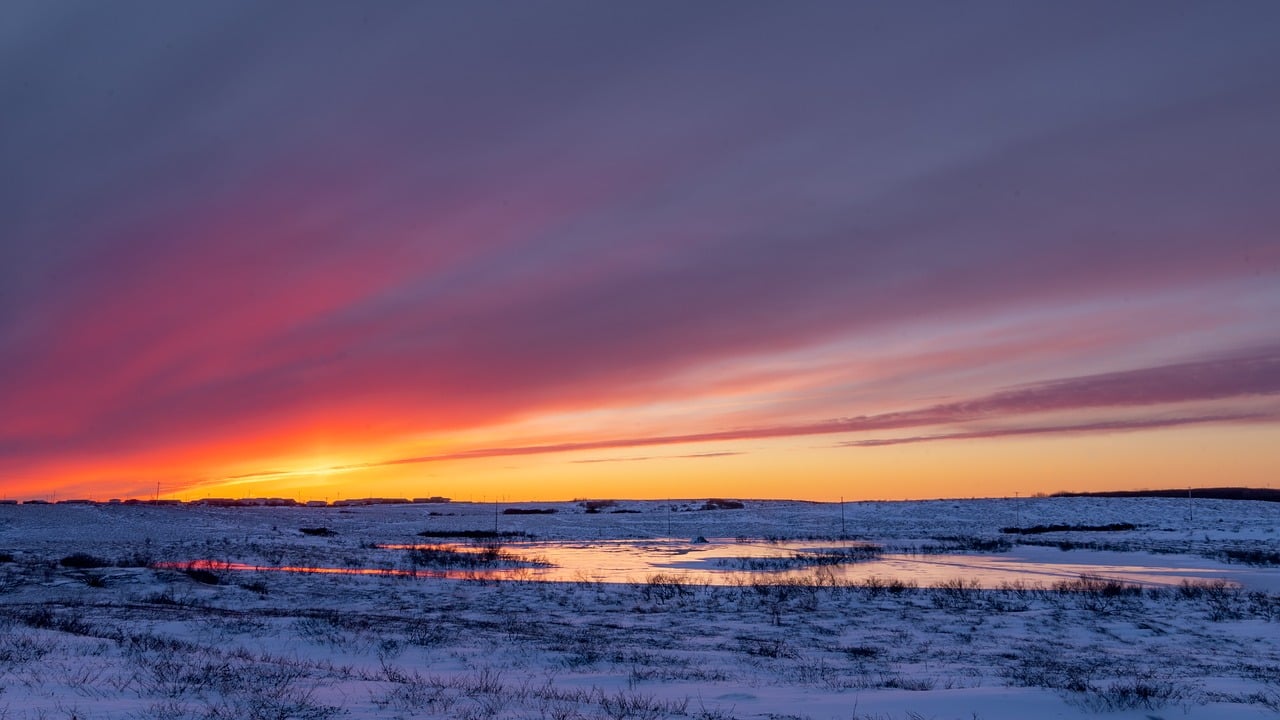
804 468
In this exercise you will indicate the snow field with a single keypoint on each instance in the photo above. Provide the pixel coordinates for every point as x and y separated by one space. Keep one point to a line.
147 642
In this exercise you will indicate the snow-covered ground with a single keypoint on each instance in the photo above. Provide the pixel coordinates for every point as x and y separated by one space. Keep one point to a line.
142 638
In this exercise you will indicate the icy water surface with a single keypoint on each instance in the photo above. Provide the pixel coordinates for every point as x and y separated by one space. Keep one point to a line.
728 562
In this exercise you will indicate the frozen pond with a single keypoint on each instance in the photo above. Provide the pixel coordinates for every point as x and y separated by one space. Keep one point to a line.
730 562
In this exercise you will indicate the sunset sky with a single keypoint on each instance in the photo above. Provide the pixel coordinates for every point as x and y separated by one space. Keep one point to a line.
533 251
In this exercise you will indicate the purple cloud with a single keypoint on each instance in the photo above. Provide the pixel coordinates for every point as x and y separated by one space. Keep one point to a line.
1104 426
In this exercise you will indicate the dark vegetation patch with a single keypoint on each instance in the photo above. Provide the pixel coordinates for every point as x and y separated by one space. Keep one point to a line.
595 506
83 561
1039 529
317 532
5 557
721 504
202 576
530 511
1098 685
46 619
1098 586
862 652
1252 557
1219 493
256 586
444 556
621 511
472 534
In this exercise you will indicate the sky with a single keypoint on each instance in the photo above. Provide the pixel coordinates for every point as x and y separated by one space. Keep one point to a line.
555 250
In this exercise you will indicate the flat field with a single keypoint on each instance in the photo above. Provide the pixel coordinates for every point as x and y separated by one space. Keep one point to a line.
184 612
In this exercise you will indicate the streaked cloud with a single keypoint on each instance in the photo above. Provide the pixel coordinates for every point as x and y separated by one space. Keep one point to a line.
1105 426
1247 375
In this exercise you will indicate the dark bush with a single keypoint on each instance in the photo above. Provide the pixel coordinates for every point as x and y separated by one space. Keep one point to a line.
202 576
40 618
256 586
46 619
1038 529
83 561
719 504
529 511
663 587
5 557
318 532
443 556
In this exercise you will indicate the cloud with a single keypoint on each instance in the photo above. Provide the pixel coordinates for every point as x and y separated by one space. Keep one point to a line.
1248 374
1067 429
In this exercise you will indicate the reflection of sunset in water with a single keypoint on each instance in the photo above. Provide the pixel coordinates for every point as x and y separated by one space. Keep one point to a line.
726 562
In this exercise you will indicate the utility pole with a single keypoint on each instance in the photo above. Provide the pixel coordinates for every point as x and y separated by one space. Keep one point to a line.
1018 508
842 533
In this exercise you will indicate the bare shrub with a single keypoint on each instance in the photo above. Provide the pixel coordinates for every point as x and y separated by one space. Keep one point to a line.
955 594
624 705
18 648
664 587
1130 694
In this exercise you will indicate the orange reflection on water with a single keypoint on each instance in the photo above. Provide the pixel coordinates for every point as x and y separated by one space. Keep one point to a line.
728 562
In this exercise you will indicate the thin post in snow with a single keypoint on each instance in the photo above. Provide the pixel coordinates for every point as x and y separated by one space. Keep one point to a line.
842 532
